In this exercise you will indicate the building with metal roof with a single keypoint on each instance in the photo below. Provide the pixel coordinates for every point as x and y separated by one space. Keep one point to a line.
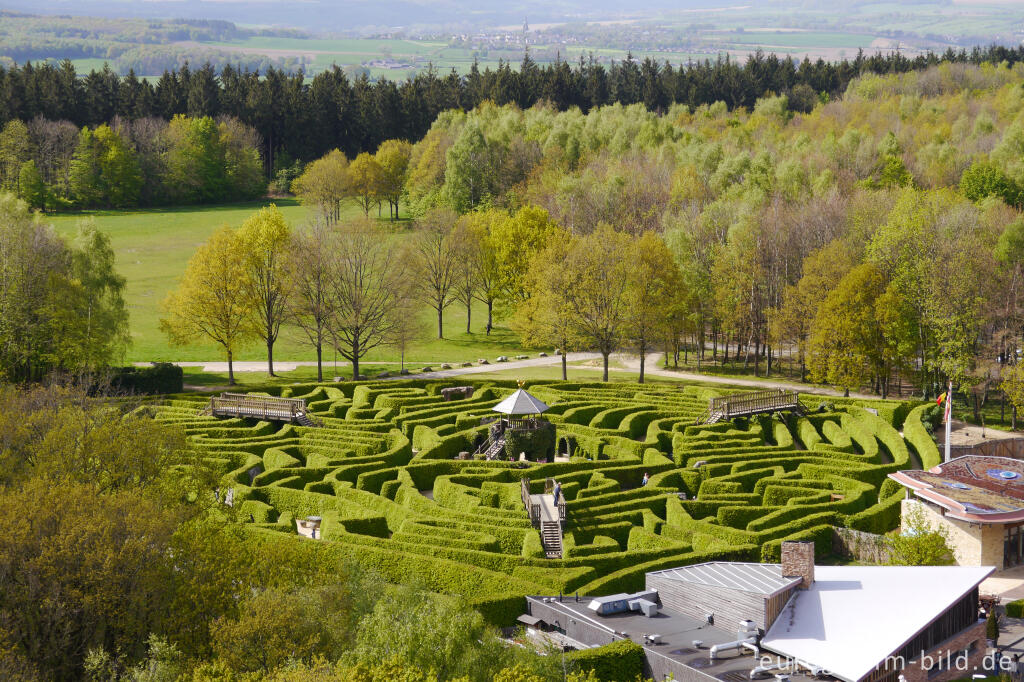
736 621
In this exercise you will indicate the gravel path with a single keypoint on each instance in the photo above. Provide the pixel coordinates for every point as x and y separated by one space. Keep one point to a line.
631 364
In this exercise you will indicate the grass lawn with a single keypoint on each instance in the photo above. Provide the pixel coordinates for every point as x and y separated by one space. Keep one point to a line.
153 247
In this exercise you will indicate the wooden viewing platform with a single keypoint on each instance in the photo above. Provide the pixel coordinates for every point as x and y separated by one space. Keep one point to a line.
268 408
545 516
748 404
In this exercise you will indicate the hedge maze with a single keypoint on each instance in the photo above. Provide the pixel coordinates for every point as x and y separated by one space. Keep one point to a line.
383 472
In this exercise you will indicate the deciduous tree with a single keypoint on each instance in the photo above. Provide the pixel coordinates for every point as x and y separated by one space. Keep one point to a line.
365 178
437 258
310 270
655 285
393 157
368 290
210 300
325 184
597 277
265 238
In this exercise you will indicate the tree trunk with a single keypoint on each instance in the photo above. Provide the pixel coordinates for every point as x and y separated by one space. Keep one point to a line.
319 362
440 323
231 370
604 356
565 373
270 358
469 313
490 317
643 363
355 367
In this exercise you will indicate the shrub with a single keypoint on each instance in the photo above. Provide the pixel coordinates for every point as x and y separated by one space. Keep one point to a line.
162 378
537 444
615 662
1015 609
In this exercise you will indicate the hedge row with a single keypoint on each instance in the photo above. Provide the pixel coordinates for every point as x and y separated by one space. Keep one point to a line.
383 474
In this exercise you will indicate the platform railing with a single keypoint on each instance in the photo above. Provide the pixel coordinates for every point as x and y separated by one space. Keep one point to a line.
257 407
751 403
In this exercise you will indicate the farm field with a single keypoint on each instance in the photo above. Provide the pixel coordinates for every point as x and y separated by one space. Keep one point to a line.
153 247
381 471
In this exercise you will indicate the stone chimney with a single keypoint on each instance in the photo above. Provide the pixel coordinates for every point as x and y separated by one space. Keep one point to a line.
798 562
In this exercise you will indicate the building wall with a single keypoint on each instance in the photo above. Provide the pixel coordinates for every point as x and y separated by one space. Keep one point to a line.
1012 448
972 544
729 607
973 638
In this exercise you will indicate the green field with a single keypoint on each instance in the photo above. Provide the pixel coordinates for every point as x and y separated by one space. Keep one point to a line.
153 247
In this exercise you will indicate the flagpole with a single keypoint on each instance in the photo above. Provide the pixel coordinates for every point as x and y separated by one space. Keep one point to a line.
949 415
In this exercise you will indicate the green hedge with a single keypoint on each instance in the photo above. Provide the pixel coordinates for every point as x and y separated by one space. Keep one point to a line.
821 536
162 378
1015 609
620 661
917 435
459 526
537 444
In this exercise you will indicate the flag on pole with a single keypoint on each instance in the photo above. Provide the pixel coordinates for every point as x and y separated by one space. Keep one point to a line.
949 407
941 398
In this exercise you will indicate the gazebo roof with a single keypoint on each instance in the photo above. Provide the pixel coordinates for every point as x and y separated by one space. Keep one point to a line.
519 403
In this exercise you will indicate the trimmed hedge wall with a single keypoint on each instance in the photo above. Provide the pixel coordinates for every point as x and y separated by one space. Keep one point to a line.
620 661
163 378
383 472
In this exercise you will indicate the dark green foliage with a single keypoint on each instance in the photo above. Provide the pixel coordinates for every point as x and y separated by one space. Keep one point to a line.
984 179
537 444
992 627
412 510
1015 609
621 660
162 378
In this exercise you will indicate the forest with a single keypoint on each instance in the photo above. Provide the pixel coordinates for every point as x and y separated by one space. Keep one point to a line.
302 119
873 242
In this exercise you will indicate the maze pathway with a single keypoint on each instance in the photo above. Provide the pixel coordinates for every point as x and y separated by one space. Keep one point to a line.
731 490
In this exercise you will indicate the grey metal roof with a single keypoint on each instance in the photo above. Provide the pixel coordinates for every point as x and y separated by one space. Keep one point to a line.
520 402
763 579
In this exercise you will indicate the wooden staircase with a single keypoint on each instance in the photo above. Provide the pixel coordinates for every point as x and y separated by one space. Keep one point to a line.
551 539
495 448
546 516
303 419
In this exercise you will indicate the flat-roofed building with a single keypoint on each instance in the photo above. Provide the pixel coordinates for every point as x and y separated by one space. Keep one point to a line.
720 620
978 500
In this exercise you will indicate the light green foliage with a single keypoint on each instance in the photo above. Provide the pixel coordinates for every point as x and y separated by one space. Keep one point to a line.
265 240
208 161
61 305
210 301
918 543
90 318
105 171
15 150
31 186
